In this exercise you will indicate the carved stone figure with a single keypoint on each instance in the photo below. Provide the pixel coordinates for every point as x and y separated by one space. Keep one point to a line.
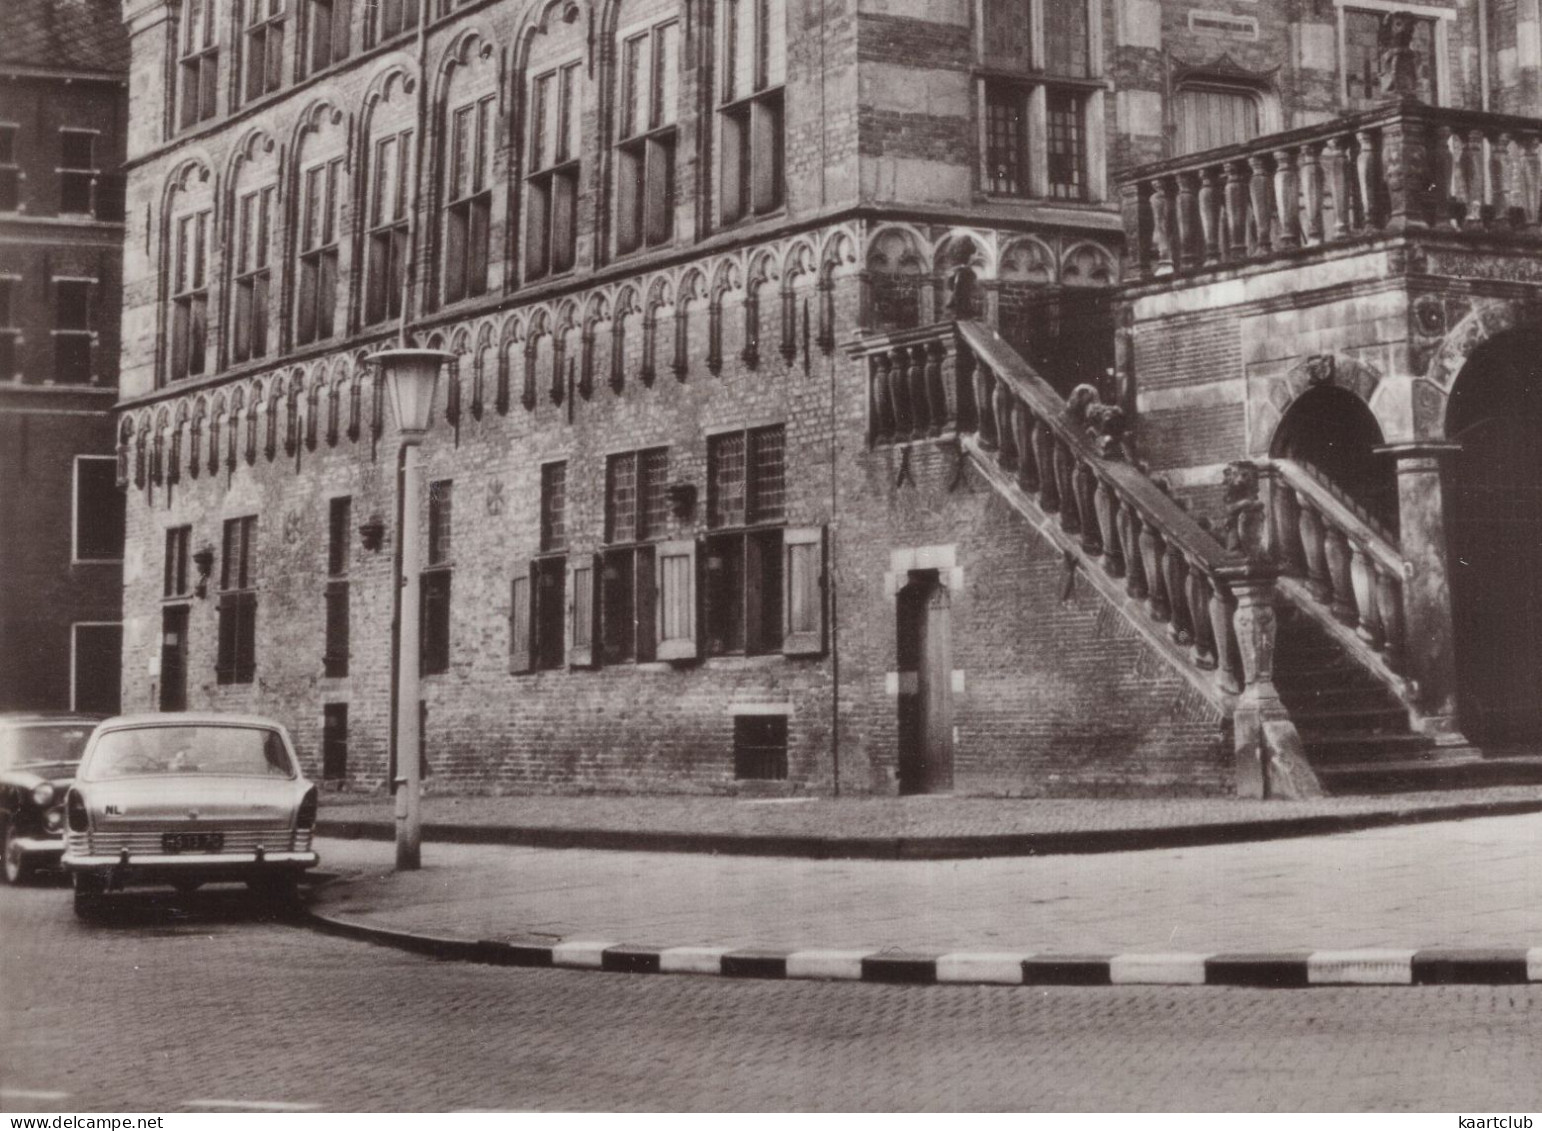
1105 422
963 293
1320 369
1398 70
1244 529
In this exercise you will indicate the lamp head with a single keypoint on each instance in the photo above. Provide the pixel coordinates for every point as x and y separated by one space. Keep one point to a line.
411 376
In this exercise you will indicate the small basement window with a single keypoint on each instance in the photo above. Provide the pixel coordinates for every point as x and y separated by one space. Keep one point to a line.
760 747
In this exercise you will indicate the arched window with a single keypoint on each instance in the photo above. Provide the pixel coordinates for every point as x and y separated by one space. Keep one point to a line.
648 88
253 237
189 232
554 110
198 62
470 143
391 190
752 68
261 46
323 185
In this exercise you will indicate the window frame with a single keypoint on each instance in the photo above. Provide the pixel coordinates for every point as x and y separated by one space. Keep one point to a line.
651 197
743 579
1441 18
318 250
435 582
176 578
552 187
754 118
236 654
468 212
198 52
310 58
251 273
11 337
549 614
1202 84
337 640
69 174
261 70
67 339
76 556
386 236
192 298
11 178
625 580
1036 136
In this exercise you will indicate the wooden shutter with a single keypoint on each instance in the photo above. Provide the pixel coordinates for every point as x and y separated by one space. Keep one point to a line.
766 150
581 609
342 15
225 659
520 660
643 604
246 637
731 175
481 235
660 189
675 579
537 234
803 591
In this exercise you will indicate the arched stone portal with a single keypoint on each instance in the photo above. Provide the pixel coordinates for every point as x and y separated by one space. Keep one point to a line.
1493 505
1335 433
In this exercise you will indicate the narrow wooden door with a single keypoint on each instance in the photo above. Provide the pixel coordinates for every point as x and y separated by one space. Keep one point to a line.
925 655
174 658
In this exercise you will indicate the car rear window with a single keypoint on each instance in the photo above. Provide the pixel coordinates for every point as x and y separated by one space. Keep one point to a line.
38 745
248 752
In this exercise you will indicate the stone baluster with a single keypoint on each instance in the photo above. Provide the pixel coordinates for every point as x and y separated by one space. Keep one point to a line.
1086 485
966 412
1187 254
1133 212
1311 190
1336 550
1210 213
1228 660
1107 505
1044 452
985 406
1262 194
1161 226
1367 168
1289 556
1527 176
882 399
1022 436
944 408
1313 551
1389 611
922 423
1458 189
1152 551
1236 229
1199 612
1480 181
1065 472
1362 575
1509 207
1287 198
1129 542
1175 578
899 384
1002 407
1334 160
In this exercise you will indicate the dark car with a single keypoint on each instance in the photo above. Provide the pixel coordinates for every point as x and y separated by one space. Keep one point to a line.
38 756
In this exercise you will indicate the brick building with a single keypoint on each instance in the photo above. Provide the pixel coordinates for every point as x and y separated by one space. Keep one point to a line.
839 385
63 112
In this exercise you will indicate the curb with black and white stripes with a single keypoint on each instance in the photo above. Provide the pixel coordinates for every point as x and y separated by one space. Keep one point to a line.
1263 969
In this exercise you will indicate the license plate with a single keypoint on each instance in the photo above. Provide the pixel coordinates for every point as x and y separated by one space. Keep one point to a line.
192 842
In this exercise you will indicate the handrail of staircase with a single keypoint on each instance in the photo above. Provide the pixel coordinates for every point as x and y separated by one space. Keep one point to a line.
1356 508
1347 565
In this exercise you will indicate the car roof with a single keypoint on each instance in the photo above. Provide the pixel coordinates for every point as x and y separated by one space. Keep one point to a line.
191 718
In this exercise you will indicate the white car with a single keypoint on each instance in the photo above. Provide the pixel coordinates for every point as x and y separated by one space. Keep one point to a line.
185 799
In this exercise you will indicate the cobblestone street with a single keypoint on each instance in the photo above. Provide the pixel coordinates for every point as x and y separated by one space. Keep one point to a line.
205 1006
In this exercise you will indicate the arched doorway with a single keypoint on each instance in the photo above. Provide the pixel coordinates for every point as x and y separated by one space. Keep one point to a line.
1335 434
1493 507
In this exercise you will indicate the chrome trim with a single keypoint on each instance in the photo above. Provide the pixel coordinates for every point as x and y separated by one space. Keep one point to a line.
191 859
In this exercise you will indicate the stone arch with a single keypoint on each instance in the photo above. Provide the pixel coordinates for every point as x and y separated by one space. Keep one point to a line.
1088 265
483 357
538 347
623 311
897 261
661 294
965 247
125 447
510 352
1487 319
195 435
726 280
1026 260
1278 394
597 310
218 421
692 291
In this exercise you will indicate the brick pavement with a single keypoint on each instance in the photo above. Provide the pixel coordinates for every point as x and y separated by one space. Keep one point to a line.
1466 884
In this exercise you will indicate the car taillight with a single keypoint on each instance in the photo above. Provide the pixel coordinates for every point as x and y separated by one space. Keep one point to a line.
75 813
307 817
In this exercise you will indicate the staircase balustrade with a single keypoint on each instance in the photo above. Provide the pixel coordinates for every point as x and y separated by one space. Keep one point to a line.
1386 170
1347 564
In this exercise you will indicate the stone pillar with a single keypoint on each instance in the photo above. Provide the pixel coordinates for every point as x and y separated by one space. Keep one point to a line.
1427 627
1270 759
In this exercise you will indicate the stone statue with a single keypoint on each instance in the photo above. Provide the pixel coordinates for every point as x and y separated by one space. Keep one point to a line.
1398 64
963 293
1105 422
1244 522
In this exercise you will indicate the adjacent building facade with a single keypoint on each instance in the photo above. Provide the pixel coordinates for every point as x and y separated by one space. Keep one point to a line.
831 408
63 129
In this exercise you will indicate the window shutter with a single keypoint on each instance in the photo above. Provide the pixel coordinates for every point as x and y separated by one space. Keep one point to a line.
643 604
660 190
481 233
342 15
537 236
225 661
803 596
564 221
246 637
766 147
676 582
305 329
629 193
731 176
519 625
581 607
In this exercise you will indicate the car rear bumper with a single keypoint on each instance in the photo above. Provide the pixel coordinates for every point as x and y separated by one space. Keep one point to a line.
40 847
211 866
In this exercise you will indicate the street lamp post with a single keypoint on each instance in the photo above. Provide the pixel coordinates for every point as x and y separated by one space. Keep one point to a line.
411 376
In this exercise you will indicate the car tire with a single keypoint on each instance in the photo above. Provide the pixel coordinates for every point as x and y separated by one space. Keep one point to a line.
90 895
18 869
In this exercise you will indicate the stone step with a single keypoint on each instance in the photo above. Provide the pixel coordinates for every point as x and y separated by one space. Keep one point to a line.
1325 751
1361 719
1326 700
1437 773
